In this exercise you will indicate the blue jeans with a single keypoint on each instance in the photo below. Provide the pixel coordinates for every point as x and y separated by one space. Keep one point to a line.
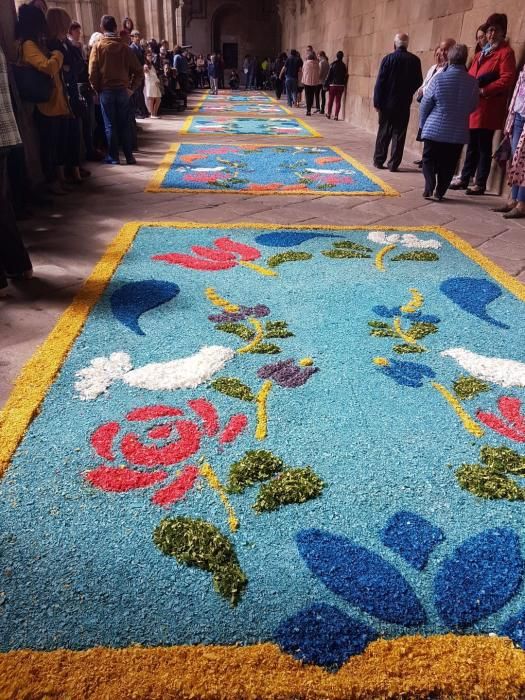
518 193
291 91
115 112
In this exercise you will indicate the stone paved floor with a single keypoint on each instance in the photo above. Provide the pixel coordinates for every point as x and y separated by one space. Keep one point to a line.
65 242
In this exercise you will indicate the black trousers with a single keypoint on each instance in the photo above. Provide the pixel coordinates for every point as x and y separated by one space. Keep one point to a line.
14 259
309 91
392 130
478 158
278 88
439 165
323 99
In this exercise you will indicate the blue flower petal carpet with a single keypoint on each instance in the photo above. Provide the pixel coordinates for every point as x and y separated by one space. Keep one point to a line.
253 460
261 169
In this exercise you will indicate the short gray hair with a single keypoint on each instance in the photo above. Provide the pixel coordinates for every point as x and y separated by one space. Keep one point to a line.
401 40
457 55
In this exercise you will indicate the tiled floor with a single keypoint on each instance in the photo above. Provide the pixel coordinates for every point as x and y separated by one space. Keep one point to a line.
66 242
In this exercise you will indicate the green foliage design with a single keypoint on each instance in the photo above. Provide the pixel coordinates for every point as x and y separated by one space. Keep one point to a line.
231 386
287 256
255 466
238 329
492 478
277 329
197 543
347 250
290 486
467 387
417 256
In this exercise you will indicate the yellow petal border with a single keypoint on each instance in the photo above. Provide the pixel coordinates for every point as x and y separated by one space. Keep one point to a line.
446 666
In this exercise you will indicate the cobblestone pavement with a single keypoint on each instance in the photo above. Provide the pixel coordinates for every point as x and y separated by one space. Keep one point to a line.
66 241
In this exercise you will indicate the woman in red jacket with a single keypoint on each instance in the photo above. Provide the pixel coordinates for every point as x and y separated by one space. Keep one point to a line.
495 69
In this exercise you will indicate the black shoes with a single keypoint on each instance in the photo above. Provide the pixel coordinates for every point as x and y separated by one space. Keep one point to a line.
458 186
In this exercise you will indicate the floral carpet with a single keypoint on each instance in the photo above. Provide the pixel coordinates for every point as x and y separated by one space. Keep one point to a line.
241 107
259 169
300 447
268 126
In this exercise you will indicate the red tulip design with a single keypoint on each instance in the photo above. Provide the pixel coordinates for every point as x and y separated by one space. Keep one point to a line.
513 425
148 458
226 254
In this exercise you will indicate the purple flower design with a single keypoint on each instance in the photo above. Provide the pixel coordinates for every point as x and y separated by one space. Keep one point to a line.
286 373
258 311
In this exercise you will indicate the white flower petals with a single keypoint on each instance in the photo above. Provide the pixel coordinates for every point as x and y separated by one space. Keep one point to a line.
500 371
185 373
407 240
101 373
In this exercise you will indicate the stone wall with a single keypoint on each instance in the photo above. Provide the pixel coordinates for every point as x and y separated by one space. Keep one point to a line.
364 30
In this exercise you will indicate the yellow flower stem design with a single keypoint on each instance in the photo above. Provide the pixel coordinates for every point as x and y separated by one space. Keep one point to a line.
415 303
405 336
379 261
213 480
468 423
261 430
259 334
257 268
217 300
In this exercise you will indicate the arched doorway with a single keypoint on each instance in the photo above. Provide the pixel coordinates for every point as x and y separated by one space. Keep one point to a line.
230 33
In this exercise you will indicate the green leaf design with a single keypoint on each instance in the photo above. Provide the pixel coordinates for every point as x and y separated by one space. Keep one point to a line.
378 324
351 245
231 386
417 255
491 479
238 329
290 486
383 332
467 387
255 466
277 329
407 349
265 349
421 329
344 254
287 256
197 543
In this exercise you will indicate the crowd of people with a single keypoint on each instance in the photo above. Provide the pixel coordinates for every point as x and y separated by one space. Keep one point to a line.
460 102
84 101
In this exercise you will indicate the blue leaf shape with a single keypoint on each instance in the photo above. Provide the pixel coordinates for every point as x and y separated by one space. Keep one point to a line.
480 577
131 300
385 312
515 628
473 296
322 634
360 576
288 239
407 373
412 537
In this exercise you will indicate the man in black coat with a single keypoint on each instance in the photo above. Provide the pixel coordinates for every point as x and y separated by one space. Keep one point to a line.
398 79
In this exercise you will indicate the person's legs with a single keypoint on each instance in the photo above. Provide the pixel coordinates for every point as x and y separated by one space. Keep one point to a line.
317 92
338 93
156 105
14 259
485 157
150 101
309 93
323 100
278 88
471 160
329 106
430 149
108 105
122 121
384 136
291 91
447 156
399 134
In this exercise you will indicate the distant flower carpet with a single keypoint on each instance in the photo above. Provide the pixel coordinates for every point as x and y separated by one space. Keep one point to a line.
259 169
301 447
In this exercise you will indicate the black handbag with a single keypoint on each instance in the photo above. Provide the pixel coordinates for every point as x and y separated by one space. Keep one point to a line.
32 85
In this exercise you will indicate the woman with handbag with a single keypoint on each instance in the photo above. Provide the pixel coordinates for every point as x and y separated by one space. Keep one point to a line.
14 260
31 31
515 132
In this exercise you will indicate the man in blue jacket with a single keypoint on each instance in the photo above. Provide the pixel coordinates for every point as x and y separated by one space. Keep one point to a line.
398 79
444 118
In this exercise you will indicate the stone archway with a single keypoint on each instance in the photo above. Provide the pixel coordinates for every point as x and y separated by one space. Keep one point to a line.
228 33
